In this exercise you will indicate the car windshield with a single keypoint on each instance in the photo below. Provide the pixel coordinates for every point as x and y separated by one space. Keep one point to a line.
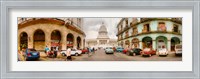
73 50
32 50
109 48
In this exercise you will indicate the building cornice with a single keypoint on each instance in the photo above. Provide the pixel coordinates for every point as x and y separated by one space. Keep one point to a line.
152 32
145 21
49 21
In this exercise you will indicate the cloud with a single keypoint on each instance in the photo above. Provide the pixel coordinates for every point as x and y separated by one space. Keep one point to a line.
91 26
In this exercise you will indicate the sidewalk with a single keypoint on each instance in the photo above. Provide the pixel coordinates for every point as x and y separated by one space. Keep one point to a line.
42 54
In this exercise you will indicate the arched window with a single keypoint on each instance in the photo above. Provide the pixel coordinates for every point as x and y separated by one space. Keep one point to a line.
70 40
39 40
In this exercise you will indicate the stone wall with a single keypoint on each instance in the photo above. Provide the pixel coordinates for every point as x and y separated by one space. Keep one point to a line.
48 29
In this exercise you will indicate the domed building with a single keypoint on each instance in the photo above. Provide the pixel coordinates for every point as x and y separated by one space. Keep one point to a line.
150 32
51 32
102 39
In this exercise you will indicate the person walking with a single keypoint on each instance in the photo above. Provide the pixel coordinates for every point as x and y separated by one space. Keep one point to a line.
68 53
56 51
93 50
89 51
46 50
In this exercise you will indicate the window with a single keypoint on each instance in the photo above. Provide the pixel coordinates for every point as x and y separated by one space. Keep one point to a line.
126 21
146 28
175 28
135 31
127 34
161 26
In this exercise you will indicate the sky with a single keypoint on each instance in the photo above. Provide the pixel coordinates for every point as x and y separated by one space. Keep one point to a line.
91 26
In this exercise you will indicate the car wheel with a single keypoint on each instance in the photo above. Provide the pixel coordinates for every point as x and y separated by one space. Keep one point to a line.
76 54
149 55
63 54
134 54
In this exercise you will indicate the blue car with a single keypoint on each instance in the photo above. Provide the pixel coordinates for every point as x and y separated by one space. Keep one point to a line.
31 54
119 49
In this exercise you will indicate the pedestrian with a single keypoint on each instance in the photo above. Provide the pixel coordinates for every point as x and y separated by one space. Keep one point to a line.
93 50
46 50
55 52
89 51
68 53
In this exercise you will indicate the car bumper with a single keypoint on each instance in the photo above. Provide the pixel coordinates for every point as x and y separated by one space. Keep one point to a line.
178 53
145 54
33 57
162 53
109 52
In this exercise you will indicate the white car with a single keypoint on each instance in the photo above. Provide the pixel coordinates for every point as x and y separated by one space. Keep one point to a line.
73 52
178 49
109 50
162 52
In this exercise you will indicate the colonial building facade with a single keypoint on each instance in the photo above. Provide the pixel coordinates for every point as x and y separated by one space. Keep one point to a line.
40 32
102 39
149 32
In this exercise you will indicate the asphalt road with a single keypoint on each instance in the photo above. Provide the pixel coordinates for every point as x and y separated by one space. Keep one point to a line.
100 55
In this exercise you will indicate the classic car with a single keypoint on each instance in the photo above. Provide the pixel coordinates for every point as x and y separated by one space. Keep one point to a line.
178 49
134 51
31 54
119 49
148 51
162 51
109 50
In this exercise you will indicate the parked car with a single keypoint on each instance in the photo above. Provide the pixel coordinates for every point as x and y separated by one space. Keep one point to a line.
31 54
148 51
125 51
134 51
84 51
119 49
114 49
74 52
109 50
178 49
162 51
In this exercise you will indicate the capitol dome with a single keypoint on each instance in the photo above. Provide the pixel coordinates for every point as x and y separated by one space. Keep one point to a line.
103 28
103 32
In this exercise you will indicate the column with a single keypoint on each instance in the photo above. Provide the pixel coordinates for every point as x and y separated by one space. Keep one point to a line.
140 44
75 42
154 44
18 42
64 42
98 43
47 39
82 43
30 40
169 45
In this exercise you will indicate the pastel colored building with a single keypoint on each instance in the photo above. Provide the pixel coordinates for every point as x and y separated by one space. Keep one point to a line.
149 32
51 32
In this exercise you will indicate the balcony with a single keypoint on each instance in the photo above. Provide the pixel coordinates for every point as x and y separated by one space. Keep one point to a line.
177 20
126 28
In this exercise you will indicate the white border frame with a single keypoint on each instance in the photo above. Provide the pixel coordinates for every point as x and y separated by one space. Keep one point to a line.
156 4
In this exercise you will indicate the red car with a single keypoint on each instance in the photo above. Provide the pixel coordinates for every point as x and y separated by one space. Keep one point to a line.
148 51
84 51
125 51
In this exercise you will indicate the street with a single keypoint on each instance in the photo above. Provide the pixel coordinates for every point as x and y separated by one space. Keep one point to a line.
100 55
